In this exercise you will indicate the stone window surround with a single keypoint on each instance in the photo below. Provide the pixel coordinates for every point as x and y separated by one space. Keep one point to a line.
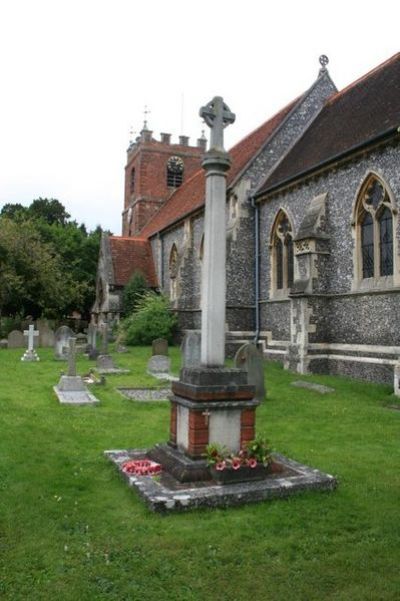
274 292
378 281
173 273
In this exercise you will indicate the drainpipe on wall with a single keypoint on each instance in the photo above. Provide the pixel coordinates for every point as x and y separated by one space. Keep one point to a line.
256 267
161 261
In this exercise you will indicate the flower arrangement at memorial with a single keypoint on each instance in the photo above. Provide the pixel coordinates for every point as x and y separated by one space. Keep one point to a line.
256 453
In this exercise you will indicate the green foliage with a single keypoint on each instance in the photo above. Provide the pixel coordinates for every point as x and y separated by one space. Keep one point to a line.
48 263
152 319
133 292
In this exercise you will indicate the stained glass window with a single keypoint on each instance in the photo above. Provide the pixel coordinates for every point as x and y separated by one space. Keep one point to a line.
367 246
289 258
386 242
279 263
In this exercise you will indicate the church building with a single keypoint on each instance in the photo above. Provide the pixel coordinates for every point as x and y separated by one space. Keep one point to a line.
313 234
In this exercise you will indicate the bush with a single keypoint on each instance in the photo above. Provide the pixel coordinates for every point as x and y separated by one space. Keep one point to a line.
133 292
153 319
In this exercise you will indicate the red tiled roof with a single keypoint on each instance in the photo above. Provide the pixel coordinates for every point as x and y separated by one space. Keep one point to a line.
129 255
190 196
351 118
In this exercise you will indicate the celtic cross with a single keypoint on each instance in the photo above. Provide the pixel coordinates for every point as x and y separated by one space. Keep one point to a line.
217 116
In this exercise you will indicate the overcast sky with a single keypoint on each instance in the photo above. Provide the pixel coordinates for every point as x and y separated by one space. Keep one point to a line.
75 76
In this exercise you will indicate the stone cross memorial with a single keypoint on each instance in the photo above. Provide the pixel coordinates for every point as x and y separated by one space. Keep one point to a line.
210 403
71 389
30 354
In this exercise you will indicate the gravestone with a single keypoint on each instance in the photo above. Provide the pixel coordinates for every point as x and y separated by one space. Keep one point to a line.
160 346
397 379
249 358
61 344
91 347
16 339
46 337
105 363
71 389
158 364
191 349
30 354
4 343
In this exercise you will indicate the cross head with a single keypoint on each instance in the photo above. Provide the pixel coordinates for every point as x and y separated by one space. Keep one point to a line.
217 116
31 333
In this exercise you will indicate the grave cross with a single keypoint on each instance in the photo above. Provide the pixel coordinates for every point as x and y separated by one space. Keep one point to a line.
206 414
217 116
71 357
31 333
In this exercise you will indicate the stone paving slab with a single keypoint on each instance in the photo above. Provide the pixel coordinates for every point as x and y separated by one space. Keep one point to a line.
112 370
313 386
161 497
75 397
145 394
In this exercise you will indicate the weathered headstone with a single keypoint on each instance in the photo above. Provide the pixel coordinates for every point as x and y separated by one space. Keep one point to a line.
105 363
159 364
16 339
30 354
61 345
191 349
81 341
160 346
91 347
71 389
4 343
249 358
46 337
397 379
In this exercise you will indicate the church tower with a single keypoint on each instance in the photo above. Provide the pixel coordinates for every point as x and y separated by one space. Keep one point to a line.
154 170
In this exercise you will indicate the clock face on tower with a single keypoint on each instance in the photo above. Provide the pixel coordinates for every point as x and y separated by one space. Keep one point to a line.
175 164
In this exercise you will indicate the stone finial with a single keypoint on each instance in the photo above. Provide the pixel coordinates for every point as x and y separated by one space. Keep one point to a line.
323 61
217 116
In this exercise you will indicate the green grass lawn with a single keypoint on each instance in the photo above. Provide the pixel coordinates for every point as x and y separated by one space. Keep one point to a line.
70 529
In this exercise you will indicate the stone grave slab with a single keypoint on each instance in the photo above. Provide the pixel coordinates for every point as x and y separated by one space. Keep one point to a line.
159 346
71 389
191 349
145 394
165 494
249 358
61 345
312 386
105 365
16 339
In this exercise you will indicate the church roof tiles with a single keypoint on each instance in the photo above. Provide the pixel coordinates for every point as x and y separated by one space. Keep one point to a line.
350 119
129 255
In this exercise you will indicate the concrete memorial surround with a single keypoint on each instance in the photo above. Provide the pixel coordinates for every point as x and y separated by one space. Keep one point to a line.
71 389
30 354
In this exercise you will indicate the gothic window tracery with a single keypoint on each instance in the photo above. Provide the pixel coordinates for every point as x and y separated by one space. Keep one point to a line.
173 272
374 221
282 255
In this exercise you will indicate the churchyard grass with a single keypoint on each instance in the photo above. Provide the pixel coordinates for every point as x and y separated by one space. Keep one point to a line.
71 529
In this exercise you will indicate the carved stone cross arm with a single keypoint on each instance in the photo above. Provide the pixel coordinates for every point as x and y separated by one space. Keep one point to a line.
217 116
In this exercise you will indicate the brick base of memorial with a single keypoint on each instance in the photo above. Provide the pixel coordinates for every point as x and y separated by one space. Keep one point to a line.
165 493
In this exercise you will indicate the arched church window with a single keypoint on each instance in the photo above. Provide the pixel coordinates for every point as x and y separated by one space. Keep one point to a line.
374 221
175 171
282 255
173 272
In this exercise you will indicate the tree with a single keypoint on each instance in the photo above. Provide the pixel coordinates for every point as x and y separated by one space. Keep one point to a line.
50 210
32 278
133 292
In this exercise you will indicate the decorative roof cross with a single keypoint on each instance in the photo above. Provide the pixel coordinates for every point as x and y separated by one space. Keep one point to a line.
217 116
